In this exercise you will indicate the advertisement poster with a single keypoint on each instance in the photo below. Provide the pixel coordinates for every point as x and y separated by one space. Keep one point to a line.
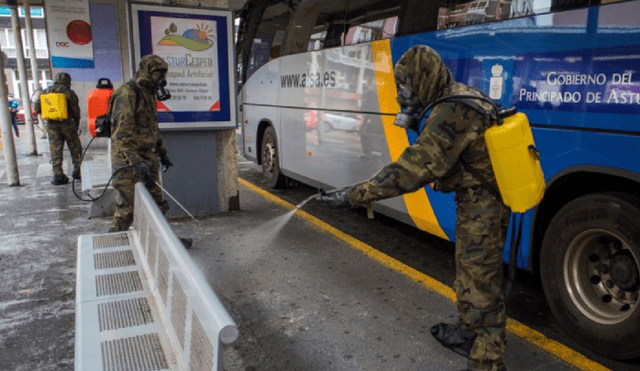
69 31
197 46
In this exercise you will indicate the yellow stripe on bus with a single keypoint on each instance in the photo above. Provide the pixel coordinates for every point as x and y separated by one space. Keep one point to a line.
417 203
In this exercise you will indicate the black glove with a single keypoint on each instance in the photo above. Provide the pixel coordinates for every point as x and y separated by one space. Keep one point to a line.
141 170
166 164
338 199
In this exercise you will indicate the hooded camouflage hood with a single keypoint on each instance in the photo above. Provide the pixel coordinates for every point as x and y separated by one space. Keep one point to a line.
63 78
422 71
148 64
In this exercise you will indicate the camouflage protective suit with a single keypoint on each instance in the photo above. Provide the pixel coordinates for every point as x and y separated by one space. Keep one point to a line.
135 137
63 131
454 131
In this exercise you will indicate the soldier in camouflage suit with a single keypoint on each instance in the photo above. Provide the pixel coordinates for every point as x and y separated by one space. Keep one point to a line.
452 132
136 144
64 130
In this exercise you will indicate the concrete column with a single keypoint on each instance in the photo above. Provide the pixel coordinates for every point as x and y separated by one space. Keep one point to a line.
229 188
228 185
24 87
125 46
32 54
31 44
8 146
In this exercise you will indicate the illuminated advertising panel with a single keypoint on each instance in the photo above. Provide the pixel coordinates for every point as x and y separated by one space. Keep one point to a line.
197 46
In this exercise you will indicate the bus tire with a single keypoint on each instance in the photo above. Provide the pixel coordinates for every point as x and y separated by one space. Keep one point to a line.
589 267
270 162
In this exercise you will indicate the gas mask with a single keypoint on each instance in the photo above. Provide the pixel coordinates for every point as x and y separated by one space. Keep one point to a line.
409 119
159 85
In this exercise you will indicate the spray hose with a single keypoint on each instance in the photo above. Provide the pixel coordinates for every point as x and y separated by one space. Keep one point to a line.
91 198
31 103
498 112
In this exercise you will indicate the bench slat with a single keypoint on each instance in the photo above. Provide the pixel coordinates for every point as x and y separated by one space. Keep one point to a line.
118 325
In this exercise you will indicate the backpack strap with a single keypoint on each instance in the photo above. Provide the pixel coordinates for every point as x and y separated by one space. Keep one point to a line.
135 88
493 190
494 114
468 100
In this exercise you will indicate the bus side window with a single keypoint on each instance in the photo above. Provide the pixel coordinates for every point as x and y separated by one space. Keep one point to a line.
259 36
376 30
483 11
335 34
417 16
506 9
260 51
473 12
372 21
317 41
559 5
301 27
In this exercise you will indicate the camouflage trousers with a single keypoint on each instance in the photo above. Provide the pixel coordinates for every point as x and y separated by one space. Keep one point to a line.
481 227
124 183
60 132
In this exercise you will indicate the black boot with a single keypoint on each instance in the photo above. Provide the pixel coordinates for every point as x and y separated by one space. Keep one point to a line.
76 174
186 242
455 337
59 179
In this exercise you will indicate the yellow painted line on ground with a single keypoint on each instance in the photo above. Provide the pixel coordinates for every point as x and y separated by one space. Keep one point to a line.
536 338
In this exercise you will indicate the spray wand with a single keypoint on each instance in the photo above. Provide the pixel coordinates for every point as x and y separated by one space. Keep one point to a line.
331 191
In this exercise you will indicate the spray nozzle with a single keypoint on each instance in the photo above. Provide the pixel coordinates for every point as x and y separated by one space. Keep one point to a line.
312 197
321 193
324 192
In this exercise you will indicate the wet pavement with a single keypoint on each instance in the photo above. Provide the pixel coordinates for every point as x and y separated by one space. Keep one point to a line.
39 225
302 298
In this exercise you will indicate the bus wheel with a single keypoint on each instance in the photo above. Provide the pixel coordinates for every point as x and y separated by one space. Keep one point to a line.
270 164
589 267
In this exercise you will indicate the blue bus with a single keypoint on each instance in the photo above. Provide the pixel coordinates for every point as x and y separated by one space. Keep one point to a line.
319 101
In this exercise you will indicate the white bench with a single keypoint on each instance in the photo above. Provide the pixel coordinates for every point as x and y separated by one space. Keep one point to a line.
142 303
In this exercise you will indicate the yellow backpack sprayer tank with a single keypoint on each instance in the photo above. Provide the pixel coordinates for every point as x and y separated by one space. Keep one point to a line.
514 157
516 163
54 106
